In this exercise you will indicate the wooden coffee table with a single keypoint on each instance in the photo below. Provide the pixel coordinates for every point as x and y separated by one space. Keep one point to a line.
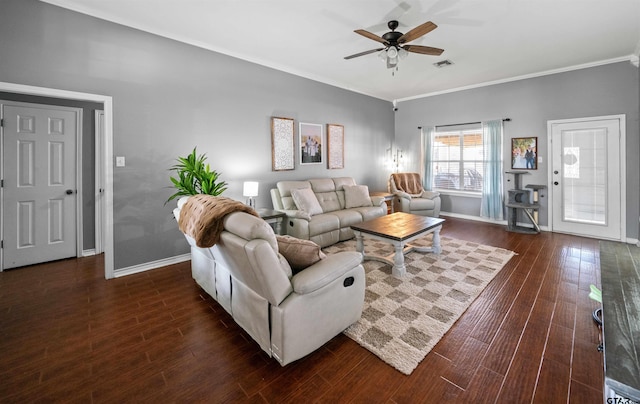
398 229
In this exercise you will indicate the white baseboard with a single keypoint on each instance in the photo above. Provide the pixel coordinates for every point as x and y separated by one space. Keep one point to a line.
486 220
151 265
88 253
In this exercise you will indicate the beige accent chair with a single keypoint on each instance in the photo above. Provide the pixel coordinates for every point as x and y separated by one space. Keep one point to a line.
411 197
288 315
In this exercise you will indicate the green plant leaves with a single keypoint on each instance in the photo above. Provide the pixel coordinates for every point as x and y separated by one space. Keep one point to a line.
194 176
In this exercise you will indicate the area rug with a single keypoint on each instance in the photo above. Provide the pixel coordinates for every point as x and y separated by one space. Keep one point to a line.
403 319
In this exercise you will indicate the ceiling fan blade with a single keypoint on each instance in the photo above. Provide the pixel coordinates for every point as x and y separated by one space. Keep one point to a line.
423 50
369 35
363 53
417 32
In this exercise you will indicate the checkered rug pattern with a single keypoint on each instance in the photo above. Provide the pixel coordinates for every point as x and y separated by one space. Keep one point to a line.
403 319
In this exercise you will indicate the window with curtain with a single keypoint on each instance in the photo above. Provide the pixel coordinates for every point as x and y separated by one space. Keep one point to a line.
457 158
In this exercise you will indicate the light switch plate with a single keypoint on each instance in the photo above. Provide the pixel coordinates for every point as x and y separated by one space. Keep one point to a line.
119 161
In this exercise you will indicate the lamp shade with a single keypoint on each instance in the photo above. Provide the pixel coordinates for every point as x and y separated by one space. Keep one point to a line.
250 188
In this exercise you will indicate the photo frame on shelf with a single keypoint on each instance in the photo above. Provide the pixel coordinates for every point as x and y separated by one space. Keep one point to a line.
282 144
335 146
524 153
310 143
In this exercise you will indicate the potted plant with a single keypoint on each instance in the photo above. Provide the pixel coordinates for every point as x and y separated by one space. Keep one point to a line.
194 176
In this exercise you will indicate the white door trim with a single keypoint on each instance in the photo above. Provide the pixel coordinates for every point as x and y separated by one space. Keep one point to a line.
622 158
107 154
99 182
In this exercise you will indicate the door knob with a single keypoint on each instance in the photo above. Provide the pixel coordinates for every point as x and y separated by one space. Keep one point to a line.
555 183
555 172
69 191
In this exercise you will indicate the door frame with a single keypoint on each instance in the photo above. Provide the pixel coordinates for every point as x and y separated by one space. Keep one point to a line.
99 182
106 154
623 167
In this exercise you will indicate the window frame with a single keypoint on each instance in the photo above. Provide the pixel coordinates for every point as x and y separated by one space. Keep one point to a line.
459 131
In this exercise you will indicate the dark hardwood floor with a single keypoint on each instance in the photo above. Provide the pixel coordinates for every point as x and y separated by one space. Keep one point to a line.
67 334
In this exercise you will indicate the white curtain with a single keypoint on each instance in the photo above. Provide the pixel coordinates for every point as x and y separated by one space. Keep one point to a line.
427 147
492 189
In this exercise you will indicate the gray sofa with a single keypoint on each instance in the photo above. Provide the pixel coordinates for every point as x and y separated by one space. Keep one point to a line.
340 203
289 315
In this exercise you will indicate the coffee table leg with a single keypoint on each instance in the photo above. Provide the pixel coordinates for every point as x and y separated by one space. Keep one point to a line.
436 240
359 243
399 269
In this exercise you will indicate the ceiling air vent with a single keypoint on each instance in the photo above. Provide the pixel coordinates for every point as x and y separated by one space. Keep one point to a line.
443 63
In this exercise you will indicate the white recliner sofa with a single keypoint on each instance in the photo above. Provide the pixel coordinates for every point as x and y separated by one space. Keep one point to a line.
328 208
288 315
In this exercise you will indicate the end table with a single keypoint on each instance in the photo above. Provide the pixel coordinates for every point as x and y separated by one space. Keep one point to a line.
274 217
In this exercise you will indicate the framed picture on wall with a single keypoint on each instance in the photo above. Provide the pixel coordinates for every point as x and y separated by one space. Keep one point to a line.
524 153
282 145
335 146
310 143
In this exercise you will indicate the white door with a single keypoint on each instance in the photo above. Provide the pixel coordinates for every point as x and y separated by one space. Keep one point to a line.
587 177
39 187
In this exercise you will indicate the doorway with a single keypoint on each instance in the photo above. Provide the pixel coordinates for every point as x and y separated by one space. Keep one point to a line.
106 155
587 176
41 180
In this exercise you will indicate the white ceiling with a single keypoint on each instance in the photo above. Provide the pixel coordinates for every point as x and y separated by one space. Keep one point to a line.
487 40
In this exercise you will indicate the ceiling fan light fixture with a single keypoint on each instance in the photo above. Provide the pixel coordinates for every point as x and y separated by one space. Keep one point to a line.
397 43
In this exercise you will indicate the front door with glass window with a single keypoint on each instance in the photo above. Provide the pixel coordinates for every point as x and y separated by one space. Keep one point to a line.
587 170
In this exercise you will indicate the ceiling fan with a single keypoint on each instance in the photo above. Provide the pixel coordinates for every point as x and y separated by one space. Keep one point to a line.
395 43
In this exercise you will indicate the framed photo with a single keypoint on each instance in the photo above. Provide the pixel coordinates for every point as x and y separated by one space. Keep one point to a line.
524 153
310 144
282 148
335 146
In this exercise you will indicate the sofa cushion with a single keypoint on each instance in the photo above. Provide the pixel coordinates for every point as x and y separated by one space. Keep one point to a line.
371 212
422 204
306 200
328 201
285 266
347 217
299 253
340 182
285 188
356 196
322 185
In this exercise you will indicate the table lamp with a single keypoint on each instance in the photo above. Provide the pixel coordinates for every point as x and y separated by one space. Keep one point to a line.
250 191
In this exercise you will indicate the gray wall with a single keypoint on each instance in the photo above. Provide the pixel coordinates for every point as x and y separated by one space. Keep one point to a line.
169 97
603 90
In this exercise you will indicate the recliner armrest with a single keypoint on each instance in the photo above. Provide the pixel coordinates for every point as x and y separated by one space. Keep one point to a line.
430 194
297 214
402 194
377 200
325 271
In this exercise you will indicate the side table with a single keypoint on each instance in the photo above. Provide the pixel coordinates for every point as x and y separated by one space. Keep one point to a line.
274 217
386 196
